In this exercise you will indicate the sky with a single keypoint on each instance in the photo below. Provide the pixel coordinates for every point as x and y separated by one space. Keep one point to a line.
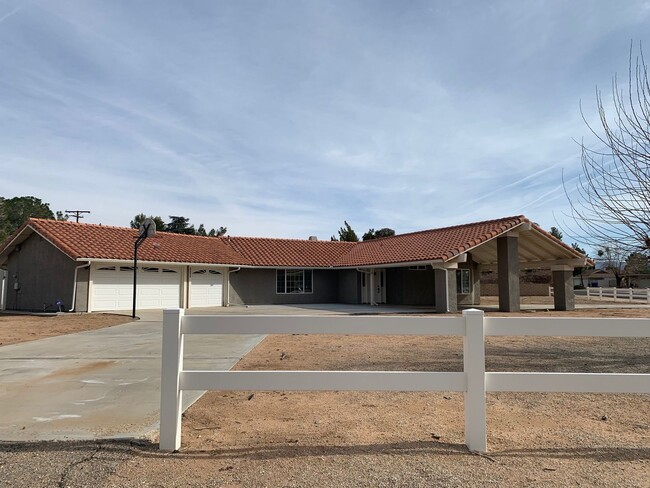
285 118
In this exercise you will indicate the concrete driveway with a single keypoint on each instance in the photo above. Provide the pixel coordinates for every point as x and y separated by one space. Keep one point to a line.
100 383
106 382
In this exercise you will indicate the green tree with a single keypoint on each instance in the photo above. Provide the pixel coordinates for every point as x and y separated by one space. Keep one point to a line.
376 234
61 216
555 232
15 211
138 219
636 263
179 225
218 233
346 234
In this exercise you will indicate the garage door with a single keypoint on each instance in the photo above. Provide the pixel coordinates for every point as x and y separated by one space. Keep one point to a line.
206 288
113 288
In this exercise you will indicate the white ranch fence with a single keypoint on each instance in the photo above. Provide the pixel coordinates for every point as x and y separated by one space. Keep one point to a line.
638 295
474 381
631 294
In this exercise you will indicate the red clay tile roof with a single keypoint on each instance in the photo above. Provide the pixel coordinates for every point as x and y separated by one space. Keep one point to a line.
90 241
428 245
290 252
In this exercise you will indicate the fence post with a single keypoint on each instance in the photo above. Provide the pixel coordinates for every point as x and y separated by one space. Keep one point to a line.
171 397
474 365
647 291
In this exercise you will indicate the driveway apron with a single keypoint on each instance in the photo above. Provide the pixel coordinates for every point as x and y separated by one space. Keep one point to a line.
100 383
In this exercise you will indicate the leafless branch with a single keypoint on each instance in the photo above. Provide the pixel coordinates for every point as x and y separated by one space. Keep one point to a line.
610 204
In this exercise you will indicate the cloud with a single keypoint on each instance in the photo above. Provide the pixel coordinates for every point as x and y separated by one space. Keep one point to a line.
285 120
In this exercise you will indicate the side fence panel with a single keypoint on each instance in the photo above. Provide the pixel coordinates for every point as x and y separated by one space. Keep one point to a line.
473 381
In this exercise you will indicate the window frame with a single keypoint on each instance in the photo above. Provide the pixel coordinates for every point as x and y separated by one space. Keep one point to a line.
287 274
459 281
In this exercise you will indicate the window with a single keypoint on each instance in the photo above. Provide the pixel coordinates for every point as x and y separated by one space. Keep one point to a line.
106 268
293 281
146 269
463 283
418 268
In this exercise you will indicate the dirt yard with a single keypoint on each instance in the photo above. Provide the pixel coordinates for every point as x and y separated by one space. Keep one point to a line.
23 328
356 439
415 439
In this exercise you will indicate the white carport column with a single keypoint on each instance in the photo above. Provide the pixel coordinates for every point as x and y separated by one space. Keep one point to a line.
171 396
563 294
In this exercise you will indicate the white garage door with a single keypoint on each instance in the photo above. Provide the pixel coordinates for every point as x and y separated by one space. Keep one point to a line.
113 288
206 288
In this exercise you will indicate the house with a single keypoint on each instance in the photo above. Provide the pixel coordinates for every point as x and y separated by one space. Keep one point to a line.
88 267
602 278
595 278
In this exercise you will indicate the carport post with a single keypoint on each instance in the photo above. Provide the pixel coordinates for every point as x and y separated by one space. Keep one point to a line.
474 366
171 396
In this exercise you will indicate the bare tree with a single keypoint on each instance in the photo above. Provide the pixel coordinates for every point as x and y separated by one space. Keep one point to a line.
612 202
612 258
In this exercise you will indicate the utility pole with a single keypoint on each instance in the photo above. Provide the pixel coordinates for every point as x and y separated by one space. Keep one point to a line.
77 213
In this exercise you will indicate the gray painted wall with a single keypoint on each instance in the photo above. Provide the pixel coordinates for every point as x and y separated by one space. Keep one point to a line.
410 287
81 300
44 274
349 286
257 287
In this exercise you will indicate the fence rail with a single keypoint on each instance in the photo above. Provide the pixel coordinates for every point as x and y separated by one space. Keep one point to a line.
474 381
631 294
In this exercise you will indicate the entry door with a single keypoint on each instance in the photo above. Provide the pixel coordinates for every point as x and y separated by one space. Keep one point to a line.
379 285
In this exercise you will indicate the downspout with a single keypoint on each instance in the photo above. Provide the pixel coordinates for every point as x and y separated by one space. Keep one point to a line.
228 287
370 285
74 287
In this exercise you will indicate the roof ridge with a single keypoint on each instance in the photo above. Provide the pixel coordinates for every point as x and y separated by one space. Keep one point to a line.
80 224
292 239
523 218
102 226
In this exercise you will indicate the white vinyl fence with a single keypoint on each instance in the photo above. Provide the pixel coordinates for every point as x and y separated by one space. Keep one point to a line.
474 381
631 294
638 295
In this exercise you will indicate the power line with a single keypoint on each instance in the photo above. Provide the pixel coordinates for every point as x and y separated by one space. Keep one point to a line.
77 213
